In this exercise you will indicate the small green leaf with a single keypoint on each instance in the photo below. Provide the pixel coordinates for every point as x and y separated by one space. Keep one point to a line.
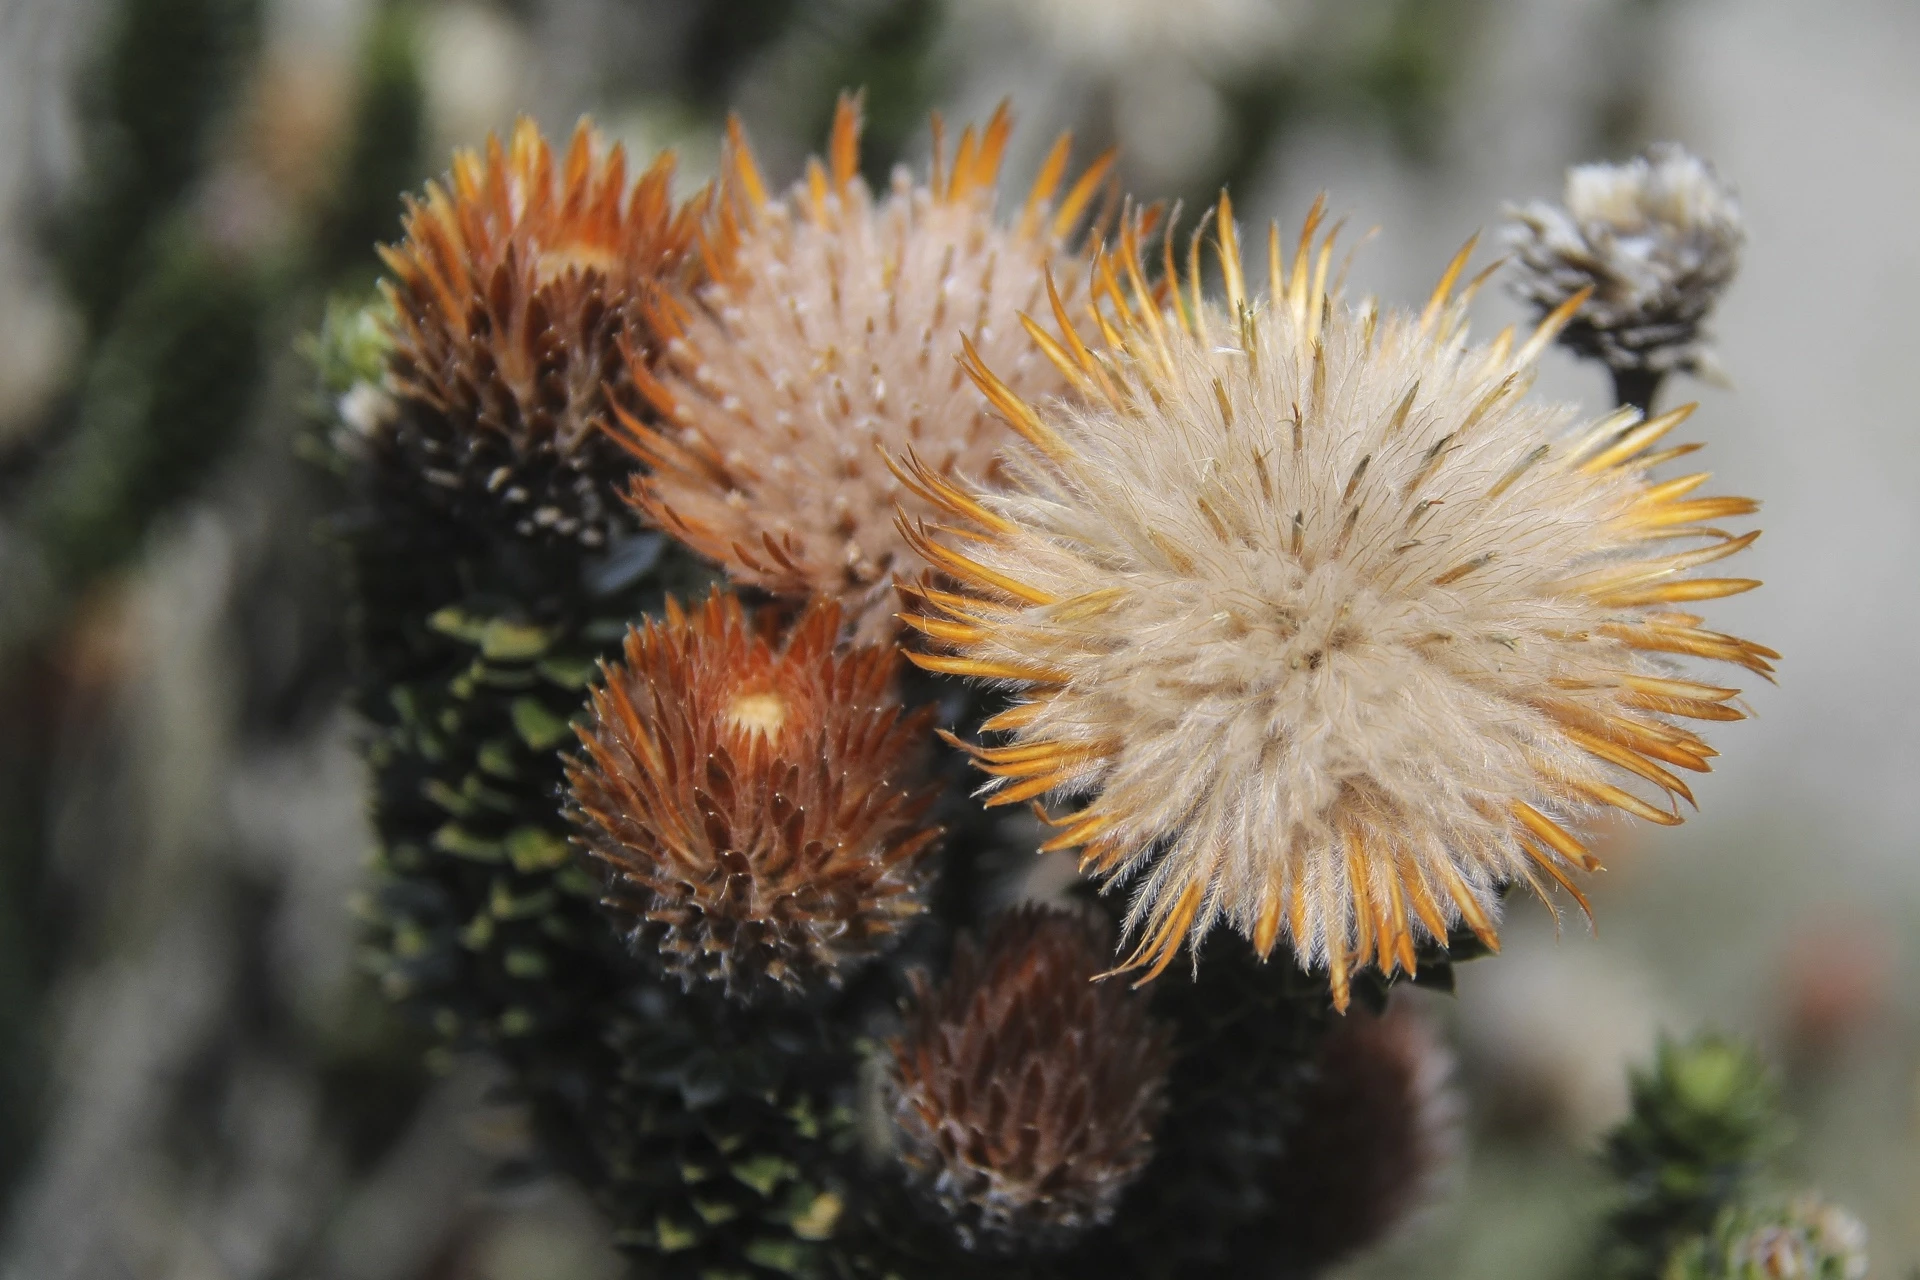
406 857
478 933
538 727
804 1122
503 641
576 880
818 1219
502 905
783 1256
533 849
461 843
763 1173
446 797
458 624
496 758
475 791
672 1237
568 673
526 963
496 677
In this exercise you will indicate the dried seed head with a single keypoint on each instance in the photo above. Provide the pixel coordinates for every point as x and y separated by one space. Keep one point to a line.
1656 239
1379 1123
1026 1095
1336 628
520 294
827 342
755 808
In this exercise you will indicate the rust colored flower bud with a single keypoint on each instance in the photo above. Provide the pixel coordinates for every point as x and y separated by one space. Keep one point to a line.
520 295
1025 1095
755 807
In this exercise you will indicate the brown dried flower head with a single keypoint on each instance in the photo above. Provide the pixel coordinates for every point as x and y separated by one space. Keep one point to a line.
1655 241
828 335
755 807
1378 1127
1025 1095
1335 627
520 295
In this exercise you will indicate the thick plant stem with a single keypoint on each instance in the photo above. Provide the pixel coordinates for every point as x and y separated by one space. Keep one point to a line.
1637 387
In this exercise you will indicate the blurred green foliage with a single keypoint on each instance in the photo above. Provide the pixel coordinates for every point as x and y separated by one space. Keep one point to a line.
384 152
165 396
168 69
1705 1118
182 328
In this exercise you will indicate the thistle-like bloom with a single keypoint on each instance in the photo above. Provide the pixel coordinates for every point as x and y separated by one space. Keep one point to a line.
1805 1239
756 808
1656 240
1336 628
828 335
1378 1125
520 295
1026 1096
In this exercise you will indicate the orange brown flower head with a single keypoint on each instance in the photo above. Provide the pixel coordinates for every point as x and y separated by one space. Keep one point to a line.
755 807
1025 1096
520 295
829 334
1335 629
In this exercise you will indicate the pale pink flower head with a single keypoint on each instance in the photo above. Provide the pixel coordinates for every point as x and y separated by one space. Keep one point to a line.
828 339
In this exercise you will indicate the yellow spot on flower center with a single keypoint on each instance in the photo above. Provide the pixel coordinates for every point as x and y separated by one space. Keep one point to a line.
556 262
758 713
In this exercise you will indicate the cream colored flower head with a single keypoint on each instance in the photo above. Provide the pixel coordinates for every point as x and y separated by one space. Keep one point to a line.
1655 240
828 339
1331 627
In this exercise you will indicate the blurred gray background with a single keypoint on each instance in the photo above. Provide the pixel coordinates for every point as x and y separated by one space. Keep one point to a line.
197 1084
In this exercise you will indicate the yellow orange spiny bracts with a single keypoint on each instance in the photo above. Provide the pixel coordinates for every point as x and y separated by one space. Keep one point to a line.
1334 630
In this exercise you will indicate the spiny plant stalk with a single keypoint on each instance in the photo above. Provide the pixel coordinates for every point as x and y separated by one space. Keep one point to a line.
493 566
1704 1119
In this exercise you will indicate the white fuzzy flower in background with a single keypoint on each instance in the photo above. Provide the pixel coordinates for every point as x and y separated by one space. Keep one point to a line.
1159 66
1119 36
1656 239
830 327
1334 628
